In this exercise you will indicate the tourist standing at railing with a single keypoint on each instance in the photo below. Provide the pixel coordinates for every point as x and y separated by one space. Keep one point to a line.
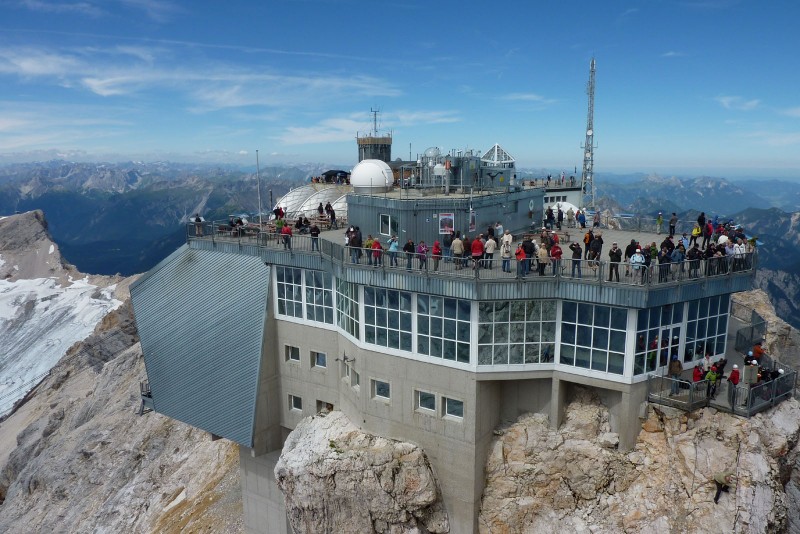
570 218
733 381
530 253
577 256
675 370
314 231
708 231
544 259
521 259
286 232
697 373
410 250
664 261
630 250
477 252
368 248
458 251
673 222
615 255
739 251
588 237
638 265
505 256
355 244
596 249
436 254
393 246
377 252
678 256
422 255
198 225
659 223
555 257
693 255
447 244
488 251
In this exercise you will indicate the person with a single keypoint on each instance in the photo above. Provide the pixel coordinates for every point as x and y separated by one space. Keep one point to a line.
723 481
477 252
733 381
436 254
458 251
577 256
333 224
530 252
659 223
673 222
555 257
570 218
596 249
377 253
758 350
697 373
630 250
409 249
637 265
581 219
711 376
588 237
664 262
320 209
559 217
693 256
314 231
198 225
368 247
596 223
488 252
543 258
505 255
677 257
675 370
286 232
615 255
447 243
521 259
393 246
498 230
355 245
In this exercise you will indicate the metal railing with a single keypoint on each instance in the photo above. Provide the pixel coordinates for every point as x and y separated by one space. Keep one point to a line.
485 268
678 393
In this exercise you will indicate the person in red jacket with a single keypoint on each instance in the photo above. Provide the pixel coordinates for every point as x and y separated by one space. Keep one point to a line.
377 253
436 254
697 373
477 252
733 381
555 256
520 256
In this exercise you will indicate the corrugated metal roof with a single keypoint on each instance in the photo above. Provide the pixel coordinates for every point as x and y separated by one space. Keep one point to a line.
200 316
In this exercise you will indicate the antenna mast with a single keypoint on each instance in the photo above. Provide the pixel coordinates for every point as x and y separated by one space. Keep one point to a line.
587 177
374 120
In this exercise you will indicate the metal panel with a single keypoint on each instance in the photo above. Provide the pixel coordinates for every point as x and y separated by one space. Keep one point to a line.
200 316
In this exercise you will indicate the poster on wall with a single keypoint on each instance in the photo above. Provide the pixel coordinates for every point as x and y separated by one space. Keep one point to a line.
472 223
446 222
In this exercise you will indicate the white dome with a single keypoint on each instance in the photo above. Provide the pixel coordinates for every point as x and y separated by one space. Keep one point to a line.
432 152
371 175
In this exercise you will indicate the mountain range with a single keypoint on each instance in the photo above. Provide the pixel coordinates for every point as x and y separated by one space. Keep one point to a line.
123 218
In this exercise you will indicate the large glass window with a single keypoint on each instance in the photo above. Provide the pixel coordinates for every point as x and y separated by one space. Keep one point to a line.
443 327
387 318
707 327
319 297
516 332
290 291
347 307
593 336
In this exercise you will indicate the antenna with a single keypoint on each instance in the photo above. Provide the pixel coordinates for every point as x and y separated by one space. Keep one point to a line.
587 176
258 183
374 120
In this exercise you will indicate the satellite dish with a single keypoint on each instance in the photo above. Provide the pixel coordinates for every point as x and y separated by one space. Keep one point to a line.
589 132
588 154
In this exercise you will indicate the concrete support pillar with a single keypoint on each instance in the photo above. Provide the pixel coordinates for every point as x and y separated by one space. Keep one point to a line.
557 395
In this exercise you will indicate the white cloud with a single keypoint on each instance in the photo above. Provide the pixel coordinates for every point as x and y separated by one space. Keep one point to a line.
737 103
792 112
673 53
776 139
528 97
82 8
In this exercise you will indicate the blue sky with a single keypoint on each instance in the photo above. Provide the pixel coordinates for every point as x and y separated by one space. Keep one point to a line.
683 87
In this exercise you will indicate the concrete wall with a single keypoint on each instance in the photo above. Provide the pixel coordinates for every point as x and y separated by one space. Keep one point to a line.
261 499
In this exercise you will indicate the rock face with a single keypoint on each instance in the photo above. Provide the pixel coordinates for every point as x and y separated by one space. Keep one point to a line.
782 341
75 456
574 479
336 478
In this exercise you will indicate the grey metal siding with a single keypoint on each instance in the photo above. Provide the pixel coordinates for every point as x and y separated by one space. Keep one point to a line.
200 316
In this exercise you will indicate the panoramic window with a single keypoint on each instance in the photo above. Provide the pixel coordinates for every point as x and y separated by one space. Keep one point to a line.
347 307
443 327
319 297
290 291
387 318
516 332
593 336
706 326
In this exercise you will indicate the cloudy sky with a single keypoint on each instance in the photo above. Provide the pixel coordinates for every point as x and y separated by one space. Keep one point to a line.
694 86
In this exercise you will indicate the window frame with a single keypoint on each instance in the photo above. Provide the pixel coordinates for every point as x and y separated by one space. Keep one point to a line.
289 352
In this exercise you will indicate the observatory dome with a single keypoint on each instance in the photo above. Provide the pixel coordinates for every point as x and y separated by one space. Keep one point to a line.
371 176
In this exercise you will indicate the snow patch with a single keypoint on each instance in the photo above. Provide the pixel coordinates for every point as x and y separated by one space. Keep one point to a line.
52 249
39 321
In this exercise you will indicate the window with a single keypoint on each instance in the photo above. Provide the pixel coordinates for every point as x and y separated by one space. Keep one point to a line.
347 307
516 332
388 224
425 402
381 390
453 408
319 297
443 327
387 318
290 291
355 378
295 403
319 359
292 354
593 336
345 372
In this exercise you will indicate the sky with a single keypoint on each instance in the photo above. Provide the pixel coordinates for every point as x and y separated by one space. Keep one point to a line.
692 87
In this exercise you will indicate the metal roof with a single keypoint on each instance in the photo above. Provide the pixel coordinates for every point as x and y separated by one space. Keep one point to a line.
200 316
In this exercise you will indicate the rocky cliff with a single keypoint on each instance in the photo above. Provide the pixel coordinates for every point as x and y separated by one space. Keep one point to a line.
336 478
782 340
574 478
